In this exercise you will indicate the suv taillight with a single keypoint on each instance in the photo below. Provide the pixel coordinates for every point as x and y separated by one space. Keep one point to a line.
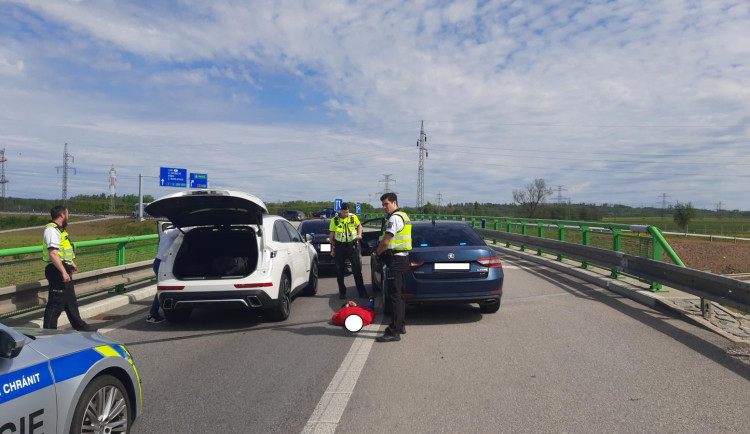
253 285
169 288
491 262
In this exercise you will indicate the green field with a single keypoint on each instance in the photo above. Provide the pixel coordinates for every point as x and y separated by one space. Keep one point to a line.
732 227
29 267
80 230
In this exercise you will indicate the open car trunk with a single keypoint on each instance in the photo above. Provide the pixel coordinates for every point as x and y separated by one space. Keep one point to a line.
217 253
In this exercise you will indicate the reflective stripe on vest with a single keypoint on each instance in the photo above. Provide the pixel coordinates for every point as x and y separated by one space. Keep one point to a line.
402 240
66 252
345 229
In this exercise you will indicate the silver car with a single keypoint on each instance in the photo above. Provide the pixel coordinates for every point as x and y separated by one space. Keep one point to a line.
65 381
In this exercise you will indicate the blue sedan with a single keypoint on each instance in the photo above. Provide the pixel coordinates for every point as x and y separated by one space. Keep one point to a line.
449 263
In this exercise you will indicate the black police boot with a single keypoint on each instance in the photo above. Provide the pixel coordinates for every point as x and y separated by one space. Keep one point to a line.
389 337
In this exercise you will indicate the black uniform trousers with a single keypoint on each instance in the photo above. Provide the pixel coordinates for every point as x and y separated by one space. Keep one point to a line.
62 296
349 251
397 269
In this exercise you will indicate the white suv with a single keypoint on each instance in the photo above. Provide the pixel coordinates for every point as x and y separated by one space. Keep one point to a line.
231 254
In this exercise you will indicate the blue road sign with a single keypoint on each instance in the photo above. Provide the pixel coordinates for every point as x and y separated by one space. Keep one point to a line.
198 180
172 177
359 209
337 204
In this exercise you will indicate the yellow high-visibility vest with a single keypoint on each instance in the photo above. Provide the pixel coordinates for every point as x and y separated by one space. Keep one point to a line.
66 252
345 228
402 240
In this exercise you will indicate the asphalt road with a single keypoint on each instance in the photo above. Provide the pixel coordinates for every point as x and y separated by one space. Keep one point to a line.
559 356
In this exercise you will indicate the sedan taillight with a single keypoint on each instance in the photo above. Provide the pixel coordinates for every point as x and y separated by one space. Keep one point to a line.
413 263
491 262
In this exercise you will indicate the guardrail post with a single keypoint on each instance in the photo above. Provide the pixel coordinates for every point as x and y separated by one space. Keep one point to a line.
617 247
660 246
121 254
540 232
586 241
509 229
560 237
523 232
473 222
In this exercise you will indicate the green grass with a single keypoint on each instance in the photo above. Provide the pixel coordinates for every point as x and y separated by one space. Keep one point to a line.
27 268
80 231
732 227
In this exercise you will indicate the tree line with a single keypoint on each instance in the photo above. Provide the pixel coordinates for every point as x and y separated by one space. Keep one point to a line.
86 204
531 201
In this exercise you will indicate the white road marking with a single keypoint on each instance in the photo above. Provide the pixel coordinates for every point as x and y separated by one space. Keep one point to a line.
122 323
327 414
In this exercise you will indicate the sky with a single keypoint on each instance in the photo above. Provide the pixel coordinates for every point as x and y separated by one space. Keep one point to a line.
640 103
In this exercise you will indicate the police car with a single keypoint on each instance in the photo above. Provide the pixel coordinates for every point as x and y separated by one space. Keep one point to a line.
65 381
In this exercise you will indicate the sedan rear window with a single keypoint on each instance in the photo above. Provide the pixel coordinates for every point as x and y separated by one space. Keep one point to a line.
314 227
445 235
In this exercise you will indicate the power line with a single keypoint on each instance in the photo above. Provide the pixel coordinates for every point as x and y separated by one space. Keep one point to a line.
387 182
65 167
420 172
560 198
3 180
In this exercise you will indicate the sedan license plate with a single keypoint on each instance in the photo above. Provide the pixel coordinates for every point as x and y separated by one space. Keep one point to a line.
452 266
325 247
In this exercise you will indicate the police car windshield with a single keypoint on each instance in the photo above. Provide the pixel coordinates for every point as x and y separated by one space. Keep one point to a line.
428 235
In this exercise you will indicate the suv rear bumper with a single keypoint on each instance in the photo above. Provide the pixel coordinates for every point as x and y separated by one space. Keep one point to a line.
240 299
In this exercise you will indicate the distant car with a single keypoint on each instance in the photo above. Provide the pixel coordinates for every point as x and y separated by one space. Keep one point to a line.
65 381
231 254
324 213
449 263
294 215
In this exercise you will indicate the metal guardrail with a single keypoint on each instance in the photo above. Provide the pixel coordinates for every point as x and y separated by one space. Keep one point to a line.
104 264
30 295
720 289
687 235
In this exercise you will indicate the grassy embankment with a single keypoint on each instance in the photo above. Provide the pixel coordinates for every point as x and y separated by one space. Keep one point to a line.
730 227
79 229
26 268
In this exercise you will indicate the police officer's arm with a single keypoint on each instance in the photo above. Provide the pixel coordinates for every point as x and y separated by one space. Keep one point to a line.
359 231
383 246
332 237
57 262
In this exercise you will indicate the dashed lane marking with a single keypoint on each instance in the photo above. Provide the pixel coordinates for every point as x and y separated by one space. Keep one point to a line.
327 414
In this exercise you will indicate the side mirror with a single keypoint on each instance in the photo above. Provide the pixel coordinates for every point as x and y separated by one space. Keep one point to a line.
11 343
308 238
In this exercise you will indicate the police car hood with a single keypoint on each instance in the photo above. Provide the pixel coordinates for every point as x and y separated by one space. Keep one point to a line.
57 343
209 208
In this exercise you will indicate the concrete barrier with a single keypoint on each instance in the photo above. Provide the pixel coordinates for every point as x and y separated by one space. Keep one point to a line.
33 294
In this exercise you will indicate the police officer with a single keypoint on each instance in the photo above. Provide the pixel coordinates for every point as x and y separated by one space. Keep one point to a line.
58 253
394 251
346 232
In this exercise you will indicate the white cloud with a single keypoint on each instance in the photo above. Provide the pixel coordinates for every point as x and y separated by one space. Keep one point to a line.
594 81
